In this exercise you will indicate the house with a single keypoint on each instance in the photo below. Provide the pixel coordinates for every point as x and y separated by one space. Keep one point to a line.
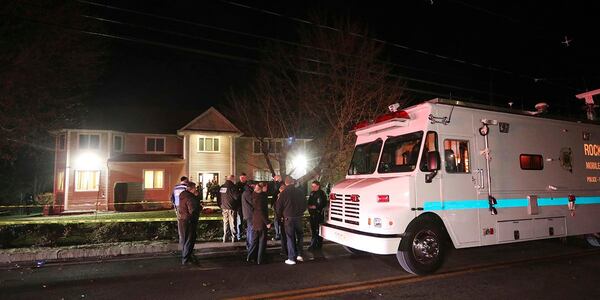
110 170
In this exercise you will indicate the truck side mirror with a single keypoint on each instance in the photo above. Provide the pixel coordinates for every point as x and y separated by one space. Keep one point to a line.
433 161
433 165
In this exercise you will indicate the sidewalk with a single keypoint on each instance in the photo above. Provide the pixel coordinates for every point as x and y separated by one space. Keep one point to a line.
113 250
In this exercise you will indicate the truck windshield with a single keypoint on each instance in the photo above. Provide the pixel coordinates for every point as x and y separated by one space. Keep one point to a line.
364 159
400 153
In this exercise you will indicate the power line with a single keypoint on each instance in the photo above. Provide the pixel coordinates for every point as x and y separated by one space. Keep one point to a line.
199 51
403 77
395 44
252 35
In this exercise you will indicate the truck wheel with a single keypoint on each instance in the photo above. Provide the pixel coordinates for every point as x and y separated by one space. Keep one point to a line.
354 251
593 239
422 250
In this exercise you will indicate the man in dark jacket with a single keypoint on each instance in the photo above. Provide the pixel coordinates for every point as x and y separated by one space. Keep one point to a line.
247 210
239 189
317 201
229 206
274 194
291 206
187 221
260 224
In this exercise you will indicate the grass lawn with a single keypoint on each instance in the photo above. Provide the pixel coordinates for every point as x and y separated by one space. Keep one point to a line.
99 217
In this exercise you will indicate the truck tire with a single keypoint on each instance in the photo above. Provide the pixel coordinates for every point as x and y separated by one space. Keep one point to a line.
354 251
422 250
593 239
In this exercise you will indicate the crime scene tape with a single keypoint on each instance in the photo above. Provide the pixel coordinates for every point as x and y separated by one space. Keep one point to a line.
79 221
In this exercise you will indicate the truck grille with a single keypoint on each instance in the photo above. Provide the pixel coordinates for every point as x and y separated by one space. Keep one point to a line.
342 209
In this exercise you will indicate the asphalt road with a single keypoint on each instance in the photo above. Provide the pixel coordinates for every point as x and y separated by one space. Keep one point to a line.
551 269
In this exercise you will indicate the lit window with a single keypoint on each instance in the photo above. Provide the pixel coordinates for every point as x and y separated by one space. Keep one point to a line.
457 156
155 144
263 175
118 143
531 162
153 179
89 141
206 144
87 181
60 181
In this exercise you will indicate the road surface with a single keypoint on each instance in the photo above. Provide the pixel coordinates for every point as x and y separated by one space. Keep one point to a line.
551 269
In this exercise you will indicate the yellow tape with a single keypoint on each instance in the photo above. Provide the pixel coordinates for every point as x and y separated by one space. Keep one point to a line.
79 221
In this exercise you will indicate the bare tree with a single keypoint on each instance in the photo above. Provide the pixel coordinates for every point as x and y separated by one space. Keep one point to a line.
46 67
319 90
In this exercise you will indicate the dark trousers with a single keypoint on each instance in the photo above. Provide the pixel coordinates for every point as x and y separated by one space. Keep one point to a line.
187 229
249 235
295 236
316 241
258 247
283 238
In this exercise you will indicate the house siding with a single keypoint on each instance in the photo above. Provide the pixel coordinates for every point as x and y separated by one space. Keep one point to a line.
133 175
220 162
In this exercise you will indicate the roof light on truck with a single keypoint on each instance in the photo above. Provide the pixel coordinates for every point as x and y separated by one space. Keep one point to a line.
354 198
401 114
332 196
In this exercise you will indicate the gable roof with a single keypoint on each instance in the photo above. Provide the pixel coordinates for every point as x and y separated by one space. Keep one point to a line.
212 121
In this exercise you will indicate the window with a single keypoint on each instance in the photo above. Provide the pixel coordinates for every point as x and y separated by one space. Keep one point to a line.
364 159
263 175
87 181
155 144
208 144
401 153
118 143
153 179
62 142
89 141
457 156
60 181
431 145
274 147
531 162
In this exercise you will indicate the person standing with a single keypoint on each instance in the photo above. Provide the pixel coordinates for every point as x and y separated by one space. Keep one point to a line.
239 187
317 201
187 221
260 224
229 206
279 219
274 193
177 190
292 206
247 211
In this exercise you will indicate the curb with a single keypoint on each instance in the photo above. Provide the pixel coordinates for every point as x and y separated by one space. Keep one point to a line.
115 250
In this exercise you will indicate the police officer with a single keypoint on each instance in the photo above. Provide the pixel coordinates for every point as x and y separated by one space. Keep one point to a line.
228 201
317 201
292 205
187 221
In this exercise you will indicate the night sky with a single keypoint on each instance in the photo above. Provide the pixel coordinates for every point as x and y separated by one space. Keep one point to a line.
492 52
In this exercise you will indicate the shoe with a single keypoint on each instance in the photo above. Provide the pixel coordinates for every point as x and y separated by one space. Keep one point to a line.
289 262
299 258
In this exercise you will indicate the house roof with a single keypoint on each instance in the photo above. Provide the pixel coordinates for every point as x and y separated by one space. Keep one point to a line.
146 158
212 121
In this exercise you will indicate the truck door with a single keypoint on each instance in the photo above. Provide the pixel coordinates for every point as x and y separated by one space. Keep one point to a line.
459 188
427 192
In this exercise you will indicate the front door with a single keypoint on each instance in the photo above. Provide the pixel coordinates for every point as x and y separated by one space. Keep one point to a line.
204 178
459 190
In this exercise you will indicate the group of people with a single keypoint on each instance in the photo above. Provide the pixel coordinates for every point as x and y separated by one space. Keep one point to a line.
247 202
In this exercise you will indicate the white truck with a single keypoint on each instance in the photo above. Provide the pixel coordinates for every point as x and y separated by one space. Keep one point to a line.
474 175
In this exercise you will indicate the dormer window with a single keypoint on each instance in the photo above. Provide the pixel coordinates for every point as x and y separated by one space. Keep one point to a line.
89 142
118 143
155 144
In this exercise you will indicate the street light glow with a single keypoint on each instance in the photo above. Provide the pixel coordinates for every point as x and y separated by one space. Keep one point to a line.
299 164
88 161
